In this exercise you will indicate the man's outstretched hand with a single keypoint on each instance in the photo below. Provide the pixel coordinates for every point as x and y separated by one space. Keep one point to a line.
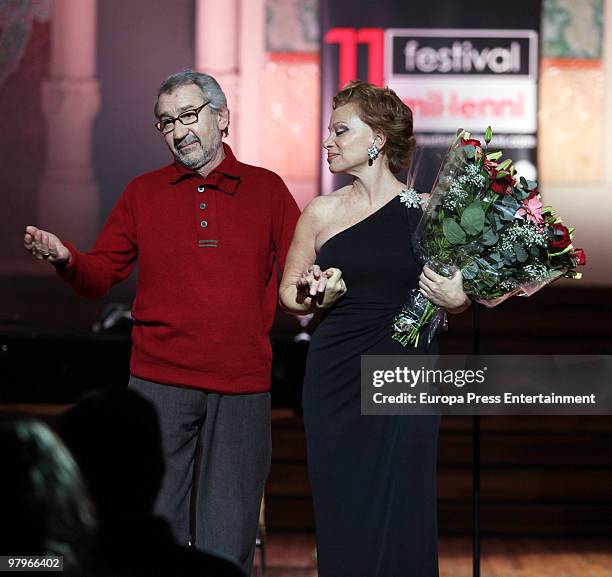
44 245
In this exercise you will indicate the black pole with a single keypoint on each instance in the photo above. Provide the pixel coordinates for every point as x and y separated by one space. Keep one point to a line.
476 461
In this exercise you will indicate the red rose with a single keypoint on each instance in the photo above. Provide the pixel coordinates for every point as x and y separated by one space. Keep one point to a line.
502 185
471 141
563 241
498 185
579 257
490 166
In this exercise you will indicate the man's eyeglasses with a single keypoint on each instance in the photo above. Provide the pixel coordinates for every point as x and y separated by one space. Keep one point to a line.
166 125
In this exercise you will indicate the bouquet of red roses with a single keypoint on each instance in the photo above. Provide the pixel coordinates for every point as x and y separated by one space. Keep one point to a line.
492 226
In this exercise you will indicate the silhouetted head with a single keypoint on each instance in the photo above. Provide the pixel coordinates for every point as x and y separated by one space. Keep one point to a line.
45 509
114 437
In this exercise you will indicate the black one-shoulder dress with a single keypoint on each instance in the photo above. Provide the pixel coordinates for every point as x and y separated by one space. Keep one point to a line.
373 478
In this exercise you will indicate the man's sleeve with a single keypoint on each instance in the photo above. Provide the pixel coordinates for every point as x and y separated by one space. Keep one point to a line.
112 258
286 214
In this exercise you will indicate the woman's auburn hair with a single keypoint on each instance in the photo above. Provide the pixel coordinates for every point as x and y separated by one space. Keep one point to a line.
382 109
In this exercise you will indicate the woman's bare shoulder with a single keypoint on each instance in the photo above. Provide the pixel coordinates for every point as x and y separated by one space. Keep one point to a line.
322 207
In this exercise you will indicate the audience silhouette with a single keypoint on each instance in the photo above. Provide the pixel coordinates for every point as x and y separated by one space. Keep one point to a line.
114 437
44 504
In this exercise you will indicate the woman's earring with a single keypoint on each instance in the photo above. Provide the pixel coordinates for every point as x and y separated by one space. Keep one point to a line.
373 153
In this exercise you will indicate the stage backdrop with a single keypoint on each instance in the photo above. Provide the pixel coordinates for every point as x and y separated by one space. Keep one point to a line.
456 63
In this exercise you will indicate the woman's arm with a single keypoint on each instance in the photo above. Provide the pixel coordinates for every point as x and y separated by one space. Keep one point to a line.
293 293
304 287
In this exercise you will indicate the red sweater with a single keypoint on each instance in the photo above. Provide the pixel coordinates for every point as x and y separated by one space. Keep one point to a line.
207 251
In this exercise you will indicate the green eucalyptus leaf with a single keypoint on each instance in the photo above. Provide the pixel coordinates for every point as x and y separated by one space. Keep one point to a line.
453 232
470 270
506 215
470 150
489 238
509 257
473 218
510 201
521 253
520 194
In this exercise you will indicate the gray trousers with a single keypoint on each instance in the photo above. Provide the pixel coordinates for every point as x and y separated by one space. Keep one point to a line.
228 439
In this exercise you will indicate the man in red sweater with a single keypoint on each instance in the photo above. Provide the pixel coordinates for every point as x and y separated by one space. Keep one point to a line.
208 232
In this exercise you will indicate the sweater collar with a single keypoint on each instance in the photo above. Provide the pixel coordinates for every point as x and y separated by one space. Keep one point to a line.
224 177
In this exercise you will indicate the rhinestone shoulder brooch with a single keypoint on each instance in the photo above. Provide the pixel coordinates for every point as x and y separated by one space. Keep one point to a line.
410 197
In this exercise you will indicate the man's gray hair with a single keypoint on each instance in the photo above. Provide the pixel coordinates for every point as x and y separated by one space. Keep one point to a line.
205 82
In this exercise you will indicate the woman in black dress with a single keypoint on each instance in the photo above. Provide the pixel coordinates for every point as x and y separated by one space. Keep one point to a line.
373 478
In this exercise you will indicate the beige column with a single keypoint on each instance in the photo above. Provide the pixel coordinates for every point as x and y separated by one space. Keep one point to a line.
68 198
230 45
588 207
252 60
607 100
216 45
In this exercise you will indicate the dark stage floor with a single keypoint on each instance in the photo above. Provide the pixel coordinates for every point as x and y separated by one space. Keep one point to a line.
292 555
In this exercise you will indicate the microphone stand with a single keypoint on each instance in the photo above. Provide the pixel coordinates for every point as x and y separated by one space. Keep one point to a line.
476 460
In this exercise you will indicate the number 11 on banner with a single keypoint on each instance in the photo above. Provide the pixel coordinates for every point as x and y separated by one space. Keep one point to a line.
347 40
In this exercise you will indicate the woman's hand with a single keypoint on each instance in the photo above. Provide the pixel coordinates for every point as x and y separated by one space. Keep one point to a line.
323 287
445 292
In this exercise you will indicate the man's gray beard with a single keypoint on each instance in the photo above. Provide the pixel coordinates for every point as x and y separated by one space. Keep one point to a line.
195 162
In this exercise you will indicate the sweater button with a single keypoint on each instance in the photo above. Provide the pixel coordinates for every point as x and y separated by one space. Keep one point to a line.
202 205
201 188
203 224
